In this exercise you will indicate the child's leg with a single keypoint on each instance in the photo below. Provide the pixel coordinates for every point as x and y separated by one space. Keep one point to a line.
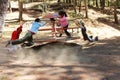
84 34
22 40
66 32
30 41
60 34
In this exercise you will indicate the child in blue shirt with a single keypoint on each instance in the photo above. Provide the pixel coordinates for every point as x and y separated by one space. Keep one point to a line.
29 35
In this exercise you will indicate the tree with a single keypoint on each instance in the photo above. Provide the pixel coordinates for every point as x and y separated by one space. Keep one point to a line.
102 4
20 2
80 5
97 3
86 9
115 12
9 6
89 3
59 1
74 5
3 8
44 6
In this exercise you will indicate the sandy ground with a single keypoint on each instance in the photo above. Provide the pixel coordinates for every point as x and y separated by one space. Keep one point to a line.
94 61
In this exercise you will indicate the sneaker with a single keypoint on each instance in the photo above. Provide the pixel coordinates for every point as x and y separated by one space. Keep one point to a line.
60 35
91 37
8 43
27 44
96 38
69 37
23 45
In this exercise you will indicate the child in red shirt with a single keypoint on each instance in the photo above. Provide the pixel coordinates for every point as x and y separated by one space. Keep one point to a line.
14 36
16 33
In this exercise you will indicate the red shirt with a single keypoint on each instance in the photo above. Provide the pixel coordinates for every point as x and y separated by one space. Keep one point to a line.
16 33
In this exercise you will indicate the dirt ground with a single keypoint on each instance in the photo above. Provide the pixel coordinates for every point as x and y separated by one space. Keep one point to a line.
93 61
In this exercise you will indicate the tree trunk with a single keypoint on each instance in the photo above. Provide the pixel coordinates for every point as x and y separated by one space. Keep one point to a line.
93 2
67 1
63 1
86 9
70 1
80 5
44 6
89 3
3 8
118 3
74 7
75 4
97 3
59 1
20 10
102 4
115 12
108 3
9 6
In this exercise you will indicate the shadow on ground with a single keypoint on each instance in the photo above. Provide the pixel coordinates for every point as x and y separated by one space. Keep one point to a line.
110 23
69 61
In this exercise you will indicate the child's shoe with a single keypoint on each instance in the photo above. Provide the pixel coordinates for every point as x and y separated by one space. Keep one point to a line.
96 38
60 35
8 43
91 37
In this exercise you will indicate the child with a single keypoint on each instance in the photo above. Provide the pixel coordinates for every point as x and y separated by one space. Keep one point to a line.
16 33
84 34
14 36
54 25
29 35
64 23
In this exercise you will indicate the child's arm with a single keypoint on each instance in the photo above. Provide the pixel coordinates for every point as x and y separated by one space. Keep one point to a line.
42 24
19 29
77 23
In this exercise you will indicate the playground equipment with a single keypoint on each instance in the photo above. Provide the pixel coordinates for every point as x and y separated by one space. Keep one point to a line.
56 38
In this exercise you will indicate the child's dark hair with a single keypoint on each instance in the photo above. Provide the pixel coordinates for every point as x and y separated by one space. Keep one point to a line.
62 13
37 20
52 19
82 23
